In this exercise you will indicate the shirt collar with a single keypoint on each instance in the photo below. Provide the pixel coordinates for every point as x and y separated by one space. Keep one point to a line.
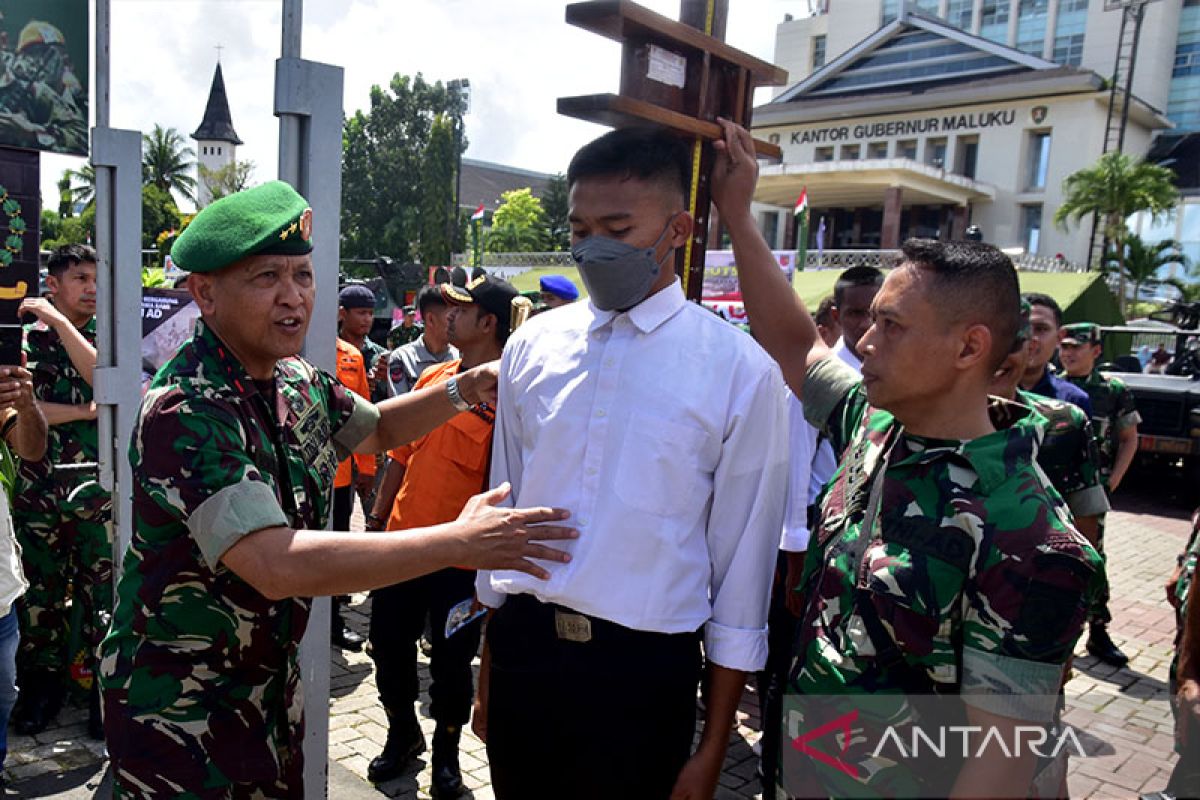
995 456
647 315
210 349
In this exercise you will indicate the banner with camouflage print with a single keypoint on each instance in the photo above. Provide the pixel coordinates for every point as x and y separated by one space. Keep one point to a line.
44 57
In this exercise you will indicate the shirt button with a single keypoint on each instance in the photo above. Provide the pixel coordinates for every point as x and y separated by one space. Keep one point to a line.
608 362
601 414
582 522
592 470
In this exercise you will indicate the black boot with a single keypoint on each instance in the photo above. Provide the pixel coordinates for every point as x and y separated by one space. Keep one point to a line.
95 718
404 743
41 699
1101 645
447 777
340 634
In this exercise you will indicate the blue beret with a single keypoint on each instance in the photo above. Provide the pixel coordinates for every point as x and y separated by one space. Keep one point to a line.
559 285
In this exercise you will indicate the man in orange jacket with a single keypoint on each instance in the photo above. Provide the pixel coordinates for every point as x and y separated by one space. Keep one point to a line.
356 473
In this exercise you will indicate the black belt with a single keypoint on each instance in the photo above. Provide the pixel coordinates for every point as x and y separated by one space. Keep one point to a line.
573 626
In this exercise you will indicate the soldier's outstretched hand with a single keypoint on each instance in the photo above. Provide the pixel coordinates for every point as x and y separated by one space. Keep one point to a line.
507 538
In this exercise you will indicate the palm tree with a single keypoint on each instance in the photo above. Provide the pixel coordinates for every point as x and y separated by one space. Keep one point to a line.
167 162
78 186
1113 189
1143 261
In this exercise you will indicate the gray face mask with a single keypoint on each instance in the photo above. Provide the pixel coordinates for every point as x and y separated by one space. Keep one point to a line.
617 275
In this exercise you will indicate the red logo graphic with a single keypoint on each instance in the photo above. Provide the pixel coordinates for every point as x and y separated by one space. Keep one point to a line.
842 724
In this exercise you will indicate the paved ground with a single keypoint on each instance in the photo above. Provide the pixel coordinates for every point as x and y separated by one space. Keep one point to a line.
1123 714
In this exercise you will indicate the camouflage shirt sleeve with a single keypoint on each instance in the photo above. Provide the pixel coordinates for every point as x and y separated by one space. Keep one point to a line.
352 418
1082 488
190 454
1025 609
834 400
1124 409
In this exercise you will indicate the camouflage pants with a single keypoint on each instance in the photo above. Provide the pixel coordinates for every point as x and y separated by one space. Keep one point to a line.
66 551
1099 614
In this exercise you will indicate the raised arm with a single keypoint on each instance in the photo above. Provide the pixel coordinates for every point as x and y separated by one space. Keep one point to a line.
778 318
79 349
28 434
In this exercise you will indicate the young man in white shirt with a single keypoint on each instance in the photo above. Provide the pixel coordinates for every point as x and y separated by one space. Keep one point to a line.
676 475
852 295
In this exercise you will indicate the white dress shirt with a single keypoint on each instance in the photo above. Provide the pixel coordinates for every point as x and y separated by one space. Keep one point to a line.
842 351
663 431
802 437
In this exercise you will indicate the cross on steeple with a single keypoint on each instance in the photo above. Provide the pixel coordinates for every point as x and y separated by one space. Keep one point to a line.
219 48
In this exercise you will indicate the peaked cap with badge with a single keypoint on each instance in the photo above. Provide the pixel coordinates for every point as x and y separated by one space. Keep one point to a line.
271 219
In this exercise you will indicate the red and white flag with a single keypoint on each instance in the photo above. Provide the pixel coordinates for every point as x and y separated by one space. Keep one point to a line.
478 213
801 202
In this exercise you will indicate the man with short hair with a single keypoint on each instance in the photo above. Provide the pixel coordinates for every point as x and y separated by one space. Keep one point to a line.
557 291
941 562
233 459
407 330
59 510
852 295
827 325
430 347
1045 319
438 474
676 474
1114 426
356 316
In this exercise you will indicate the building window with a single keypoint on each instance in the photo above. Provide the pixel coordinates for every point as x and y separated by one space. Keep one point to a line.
850 152
1031 25
966 155
993 21
218 151
1039 161
770 228
959 12
889 11
823 154
818 52
1187 60
935 152
906 148
877 150
1031 227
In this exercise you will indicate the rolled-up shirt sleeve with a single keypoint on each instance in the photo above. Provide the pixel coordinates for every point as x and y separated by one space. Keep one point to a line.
192 459
802 439
750 488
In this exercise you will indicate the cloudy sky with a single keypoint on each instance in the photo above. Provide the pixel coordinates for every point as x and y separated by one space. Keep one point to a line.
519 56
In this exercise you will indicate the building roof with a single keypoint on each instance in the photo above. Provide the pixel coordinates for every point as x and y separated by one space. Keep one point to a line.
217 125
911 52
483 182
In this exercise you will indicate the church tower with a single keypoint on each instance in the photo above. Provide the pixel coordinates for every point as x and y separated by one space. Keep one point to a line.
216 141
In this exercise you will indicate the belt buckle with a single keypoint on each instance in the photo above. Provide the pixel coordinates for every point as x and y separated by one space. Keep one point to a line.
572 627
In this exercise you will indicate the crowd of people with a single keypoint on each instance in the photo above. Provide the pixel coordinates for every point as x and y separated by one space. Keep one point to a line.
626 502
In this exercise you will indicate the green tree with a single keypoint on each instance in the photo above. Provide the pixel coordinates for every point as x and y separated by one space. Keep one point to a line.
519 224
167 162
437 195
1113 189
384 149
76 186
227 180
51 225
557 207
1143 262
159 213
74 230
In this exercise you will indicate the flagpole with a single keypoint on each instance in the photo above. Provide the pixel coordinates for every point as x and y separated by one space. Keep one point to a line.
801 213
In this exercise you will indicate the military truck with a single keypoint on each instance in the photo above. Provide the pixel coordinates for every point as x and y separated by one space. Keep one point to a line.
1169 403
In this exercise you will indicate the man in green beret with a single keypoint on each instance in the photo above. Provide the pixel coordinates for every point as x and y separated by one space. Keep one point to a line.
1114 424
233 456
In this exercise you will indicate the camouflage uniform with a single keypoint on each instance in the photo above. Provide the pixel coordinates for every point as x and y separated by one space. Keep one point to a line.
201 685
1113 411
400 335
1068 455
61 519
972 582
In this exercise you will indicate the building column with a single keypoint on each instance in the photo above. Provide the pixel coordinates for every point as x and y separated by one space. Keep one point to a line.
959 217
890 235
1051 27
789 231
1014 11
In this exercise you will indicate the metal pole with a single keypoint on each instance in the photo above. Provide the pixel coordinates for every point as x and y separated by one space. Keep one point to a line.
1139 12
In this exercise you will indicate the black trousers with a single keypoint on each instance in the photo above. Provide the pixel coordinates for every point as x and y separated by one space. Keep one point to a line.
613 717
343 506
772 680
398 616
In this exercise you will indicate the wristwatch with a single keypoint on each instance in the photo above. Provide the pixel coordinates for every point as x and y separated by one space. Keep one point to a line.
456 398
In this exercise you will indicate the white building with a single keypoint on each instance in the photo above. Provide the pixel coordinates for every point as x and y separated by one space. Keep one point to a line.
216 141
901 124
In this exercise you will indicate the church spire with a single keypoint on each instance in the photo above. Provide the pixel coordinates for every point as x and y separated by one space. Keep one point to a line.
217 125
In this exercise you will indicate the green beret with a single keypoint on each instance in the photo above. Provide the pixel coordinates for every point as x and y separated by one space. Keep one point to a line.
272 219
